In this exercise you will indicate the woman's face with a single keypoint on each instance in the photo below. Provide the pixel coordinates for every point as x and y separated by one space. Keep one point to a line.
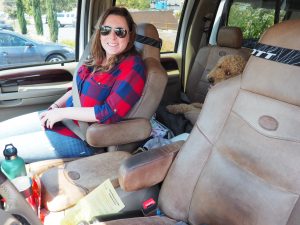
112 43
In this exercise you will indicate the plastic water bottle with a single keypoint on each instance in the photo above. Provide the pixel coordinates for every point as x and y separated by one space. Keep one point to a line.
13 166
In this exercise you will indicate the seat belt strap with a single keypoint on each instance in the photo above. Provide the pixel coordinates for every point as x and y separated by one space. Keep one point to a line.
81 130
148 41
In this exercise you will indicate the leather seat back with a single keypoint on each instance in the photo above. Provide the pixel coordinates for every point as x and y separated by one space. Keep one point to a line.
155 83
156 75
229 42
240 164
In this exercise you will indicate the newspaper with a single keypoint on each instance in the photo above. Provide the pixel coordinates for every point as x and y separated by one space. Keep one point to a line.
101 201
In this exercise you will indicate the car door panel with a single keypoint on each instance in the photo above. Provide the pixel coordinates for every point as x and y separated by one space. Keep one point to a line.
31 54
170 63
24 92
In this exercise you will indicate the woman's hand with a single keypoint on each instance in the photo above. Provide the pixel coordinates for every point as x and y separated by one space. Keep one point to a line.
50 117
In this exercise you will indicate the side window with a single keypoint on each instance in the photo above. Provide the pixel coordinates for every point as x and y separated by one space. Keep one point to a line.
289 9
165 15
40 22
4 40
253 17
16 41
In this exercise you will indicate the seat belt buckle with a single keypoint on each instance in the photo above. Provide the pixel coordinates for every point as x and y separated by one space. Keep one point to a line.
149 207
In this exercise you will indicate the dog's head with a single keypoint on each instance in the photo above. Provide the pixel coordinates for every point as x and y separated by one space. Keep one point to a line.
228 66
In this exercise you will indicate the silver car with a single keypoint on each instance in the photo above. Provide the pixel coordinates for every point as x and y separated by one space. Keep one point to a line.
17 49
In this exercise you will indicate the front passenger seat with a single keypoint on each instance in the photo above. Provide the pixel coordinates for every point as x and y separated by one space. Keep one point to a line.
240 164
127 133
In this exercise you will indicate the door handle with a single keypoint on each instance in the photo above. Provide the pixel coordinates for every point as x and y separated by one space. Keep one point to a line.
4 53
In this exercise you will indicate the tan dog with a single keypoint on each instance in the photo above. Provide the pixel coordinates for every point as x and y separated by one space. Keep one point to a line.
227 66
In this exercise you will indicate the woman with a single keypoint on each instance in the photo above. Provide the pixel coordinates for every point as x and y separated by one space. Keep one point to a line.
109 84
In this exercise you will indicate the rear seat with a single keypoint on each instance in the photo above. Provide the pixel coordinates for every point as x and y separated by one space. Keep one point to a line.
229 42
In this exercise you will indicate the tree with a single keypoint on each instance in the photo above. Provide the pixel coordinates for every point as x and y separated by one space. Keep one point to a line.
36 9
21 17
134 4
52 20
60 5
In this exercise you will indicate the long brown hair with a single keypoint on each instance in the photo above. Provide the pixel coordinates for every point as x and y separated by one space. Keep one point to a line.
98 53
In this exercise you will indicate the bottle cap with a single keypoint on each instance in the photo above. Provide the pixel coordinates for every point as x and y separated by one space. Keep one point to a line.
9 151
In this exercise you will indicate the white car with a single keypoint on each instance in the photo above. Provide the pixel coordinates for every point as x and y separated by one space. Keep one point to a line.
66 18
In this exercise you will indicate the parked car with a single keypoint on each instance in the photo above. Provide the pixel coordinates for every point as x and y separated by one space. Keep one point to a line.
5 26
17 49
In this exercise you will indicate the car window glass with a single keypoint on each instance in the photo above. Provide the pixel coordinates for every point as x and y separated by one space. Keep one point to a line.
165 15
16 41
52 33
253 17
4 40
290 9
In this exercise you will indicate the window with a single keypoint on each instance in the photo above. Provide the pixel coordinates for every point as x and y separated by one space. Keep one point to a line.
164 14
254 17
45 41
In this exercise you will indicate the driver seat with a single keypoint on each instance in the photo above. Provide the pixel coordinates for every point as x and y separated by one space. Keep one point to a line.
240 164
61 188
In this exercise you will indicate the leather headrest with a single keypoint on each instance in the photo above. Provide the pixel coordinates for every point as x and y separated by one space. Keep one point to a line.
148 30
285 35
230 37
275 77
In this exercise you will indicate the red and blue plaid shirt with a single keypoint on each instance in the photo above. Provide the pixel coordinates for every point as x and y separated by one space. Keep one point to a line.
112 93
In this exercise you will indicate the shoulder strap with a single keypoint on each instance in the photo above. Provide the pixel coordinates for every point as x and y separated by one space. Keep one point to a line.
81 130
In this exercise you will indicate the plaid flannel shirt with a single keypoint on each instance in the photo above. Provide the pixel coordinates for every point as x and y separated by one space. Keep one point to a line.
112 93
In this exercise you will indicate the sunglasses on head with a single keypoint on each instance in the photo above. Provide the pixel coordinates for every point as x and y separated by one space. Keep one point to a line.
119 31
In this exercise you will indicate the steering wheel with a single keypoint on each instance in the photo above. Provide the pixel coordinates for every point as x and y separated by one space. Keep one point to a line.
17 211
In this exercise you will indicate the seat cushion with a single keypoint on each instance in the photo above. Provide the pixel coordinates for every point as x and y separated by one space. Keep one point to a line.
64 185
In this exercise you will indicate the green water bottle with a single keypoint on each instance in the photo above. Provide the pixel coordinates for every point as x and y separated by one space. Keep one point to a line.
13 166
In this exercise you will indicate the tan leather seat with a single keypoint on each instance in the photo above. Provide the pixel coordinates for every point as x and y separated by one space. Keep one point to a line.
240 164
131 131
229 42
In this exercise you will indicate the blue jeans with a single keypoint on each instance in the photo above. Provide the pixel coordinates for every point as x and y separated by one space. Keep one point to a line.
34 143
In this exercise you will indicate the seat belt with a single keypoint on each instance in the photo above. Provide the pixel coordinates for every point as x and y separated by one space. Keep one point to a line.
81 130
83 126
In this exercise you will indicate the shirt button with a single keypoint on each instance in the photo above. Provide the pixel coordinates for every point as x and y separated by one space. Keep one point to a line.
99 83
115 110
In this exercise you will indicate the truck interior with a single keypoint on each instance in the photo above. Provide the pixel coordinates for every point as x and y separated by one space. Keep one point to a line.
238 161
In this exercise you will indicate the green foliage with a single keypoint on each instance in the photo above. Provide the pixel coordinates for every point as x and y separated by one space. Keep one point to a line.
60 5
21 17
252 21
70 43
36 9
52 20
134 4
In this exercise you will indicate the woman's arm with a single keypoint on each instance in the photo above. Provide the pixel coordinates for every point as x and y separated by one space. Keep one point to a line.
49 118
61 102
